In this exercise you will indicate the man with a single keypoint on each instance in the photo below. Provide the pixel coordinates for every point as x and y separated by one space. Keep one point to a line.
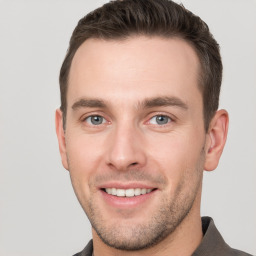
138 125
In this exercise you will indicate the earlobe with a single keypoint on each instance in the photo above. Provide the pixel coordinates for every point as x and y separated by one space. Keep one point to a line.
216 139
61 137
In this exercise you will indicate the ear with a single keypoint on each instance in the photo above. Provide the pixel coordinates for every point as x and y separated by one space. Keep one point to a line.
61 137
216 139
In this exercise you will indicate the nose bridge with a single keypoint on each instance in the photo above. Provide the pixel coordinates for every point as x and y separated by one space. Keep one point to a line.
126 146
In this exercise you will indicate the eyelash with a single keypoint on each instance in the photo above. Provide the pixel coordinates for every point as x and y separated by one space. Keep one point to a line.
170 120
95 115
157 118
105 121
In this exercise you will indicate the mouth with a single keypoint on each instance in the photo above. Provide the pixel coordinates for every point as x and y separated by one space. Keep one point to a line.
130 192
127 197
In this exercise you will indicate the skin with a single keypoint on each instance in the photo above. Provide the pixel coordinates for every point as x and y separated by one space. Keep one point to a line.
120 81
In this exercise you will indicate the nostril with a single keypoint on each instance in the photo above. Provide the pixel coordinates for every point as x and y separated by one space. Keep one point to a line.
134 163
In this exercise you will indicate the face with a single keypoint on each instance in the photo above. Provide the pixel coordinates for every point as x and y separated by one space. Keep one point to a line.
135 142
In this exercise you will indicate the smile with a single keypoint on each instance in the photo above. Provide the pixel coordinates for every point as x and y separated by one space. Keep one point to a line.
131 192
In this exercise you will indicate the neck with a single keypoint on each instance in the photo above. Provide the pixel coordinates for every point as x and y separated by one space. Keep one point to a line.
183 241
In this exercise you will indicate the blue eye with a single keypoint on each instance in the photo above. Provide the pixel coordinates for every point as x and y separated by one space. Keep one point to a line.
95 120
160 120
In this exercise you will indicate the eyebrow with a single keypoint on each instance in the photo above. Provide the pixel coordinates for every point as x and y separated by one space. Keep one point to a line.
163 101
88 103
147 103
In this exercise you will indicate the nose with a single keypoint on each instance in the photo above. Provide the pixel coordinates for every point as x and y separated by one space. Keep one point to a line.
126 148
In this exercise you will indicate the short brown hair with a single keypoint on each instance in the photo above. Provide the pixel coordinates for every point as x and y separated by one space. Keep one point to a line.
120 19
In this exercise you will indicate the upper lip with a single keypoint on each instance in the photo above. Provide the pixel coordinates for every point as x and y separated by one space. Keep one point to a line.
119 185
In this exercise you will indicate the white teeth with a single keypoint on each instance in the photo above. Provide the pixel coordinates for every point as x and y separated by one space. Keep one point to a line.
128 192
137 191
120 192
109 190
113 191
143 191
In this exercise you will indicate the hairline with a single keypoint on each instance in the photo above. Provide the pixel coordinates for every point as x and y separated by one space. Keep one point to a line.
131 35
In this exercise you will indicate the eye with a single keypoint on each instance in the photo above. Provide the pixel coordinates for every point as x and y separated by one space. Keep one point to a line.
160 120
95 120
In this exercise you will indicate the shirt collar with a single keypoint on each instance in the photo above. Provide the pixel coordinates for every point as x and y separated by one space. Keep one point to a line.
212 243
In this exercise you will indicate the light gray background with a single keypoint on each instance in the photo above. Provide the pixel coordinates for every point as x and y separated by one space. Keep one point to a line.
39 214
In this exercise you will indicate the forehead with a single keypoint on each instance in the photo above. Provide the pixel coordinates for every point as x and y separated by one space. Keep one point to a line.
132 69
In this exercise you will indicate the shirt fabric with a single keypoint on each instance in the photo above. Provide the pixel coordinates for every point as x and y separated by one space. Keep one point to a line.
212 243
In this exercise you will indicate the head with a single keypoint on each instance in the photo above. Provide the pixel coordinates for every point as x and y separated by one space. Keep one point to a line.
138 121
119 20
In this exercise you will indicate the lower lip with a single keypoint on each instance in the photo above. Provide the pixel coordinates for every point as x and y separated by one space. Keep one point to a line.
127 202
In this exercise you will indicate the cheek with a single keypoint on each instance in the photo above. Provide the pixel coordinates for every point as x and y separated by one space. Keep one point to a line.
83 152
175 153
84 159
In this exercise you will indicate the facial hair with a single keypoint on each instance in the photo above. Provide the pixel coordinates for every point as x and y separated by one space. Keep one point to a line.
164 220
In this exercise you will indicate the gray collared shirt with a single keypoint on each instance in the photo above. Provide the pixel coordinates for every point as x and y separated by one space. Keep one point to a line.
212 244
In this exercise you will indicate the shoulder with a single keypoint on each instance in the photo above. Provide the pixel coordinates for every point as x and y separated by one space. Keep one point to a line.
213 243
87 251
235 252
